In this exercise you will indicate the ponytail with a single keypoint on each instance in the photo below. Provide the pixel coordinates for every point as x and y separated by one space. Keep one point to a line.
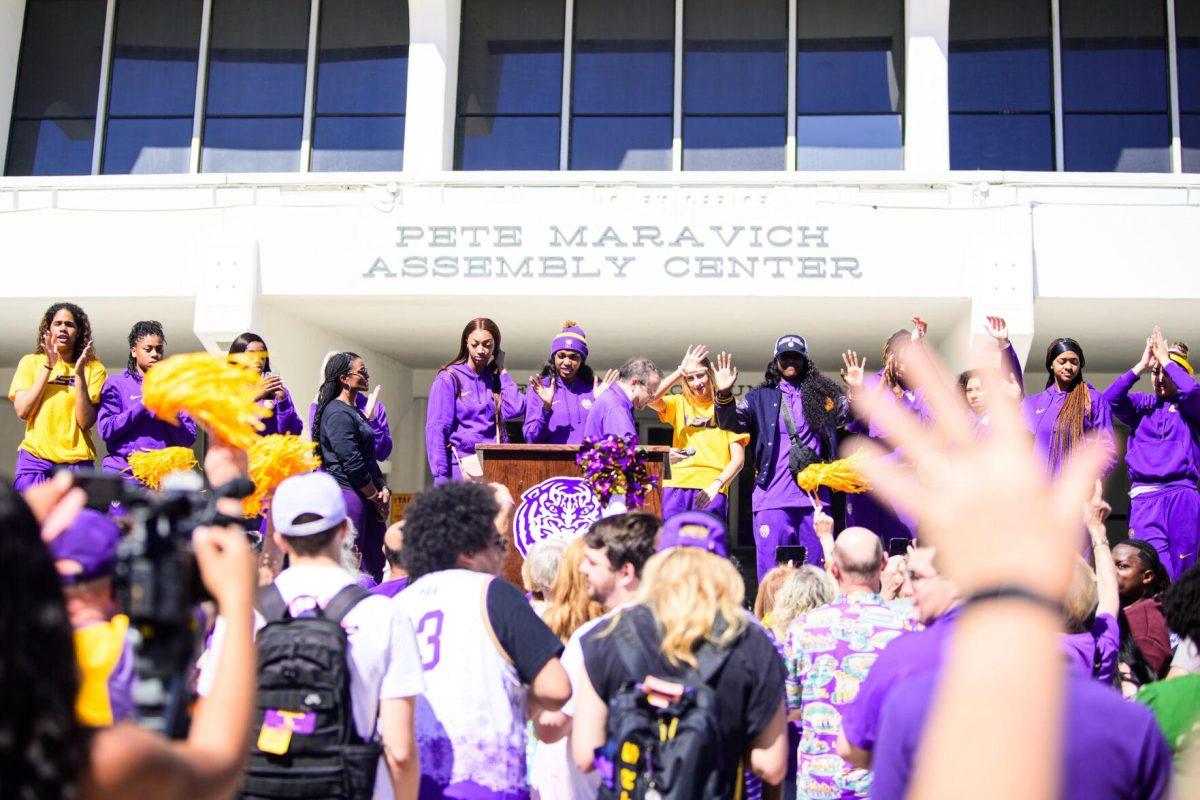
337 366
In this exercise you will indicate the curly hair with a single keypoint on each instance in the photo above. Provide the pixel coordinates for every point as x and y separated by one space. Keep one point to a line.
139 331
82 336
43 750
820 398
1181 604
445 522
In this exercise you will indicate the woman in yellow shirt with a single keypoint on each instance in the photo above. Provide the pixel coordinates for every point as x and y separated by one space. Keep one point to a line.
45 392
704 458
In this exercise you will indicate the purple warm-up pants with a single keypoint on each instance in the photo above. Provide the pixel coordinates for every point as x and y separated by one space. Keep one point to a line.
781 527
30 470
676 501
370 532
1168 519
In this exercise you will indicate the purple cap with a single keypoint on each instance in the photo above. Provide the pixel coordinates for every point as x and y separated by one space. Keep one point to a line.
571 338
91 542
694 529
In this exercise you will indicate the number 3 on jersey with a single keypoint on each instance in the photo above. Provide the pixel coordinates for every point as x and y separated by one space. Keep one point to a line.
429 639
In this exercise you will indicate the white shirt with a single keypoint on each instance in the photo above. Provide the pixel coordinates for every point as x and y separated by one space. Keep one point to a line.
382 649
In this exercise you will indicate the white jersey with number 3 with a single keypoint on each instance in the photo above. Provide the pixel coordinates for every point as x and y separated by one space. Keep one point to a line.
471 720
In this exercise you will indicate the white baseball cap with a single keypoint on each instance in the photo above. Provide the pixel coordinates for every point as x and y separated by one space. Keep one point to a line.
311 493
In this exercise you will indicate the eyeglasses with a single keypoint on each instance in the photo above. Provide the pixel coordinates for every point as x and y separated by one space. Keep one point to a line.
362 374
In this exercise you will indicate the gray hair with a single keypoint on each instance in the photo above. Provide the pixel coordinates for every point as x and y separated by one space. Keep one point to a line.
639 368
804 590
542 562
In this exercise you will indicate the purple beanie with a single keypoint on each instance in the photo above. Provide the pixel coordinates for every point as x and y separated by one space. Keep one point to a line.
571 338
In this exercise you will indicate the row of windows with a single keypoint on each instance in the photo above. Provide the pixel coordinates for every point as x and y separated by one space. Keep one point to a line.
736 105
254 92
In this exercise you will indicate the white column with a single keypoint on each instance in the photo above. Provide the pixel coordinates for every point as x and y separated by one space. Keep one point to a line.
12 18
432 84
926 85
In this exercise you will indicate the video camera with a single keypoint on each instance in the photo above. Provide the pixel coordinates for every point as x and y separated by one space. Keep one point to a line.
157 580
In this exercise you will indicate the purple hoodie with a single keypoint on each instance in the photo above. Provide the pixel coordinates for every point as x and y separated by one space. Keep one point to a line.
127 426
1041 412
379 424
284 418
1164 434
462 414
563 422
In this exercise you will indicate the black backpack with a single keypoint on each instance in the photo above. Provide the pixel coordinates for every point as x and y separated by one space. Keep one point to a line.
658 748
303 672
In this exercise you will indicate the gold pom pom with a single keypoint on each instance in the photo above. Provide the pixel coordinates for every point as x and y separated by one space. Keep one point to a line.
841 475
151 466
273 459
569 324
217 392
829 404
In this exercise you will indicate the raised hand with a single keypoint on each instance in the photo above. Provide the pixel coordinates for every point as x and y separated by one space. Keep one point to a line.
52 356
598 386
724 373
822 524
1147 360
997 328
1158 347
853 371
499 359
372 406
693 358
544 393
919 329
269 385
84 355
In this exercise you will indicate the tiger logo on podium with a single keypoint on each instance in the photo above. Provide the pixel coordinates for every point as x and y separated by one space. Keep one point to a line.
557 508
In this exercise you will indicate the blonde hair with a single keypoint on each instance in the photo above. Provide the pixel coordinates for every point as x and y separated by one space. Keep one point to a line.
570 605
764 601
1082 597
687 589
802 590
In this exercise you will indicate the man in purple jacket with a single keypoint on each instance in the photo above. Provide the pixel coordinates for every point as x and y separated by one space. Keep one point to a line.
612 412
125 424
1163 453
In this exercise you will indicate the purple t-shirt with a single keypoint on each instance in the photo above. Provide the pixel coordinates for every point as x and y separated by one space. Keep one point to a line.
782 491
612 413
462 414
127 426
563 422
1164 435
1041 413
1112 748
907 656
1102 640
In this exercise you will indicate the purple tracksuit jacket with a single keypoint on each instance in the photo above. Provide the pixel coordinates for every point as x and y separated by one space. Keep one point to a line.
1041 412
563 422
284 418
462 414
127 426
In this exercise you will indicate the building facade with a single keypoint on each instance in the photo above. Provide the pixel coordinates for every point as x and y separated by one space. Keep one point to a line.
370 174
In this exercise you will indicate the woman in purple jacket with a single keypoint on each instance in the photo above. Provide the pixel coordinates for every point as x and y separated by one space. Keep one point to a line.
559 398
125 424
1163 453
275 396
468 402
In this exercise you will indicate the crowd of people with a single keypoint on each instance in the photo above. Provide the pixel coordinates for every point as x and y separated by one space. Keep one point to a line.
969 626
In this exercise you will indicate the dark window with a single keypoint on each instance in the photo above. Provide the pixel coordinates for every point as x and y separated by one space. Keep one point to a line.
510 85
152 88
849 84
1001 85
622 91
362 86
1114 64
1187 43
734 84
255 101
58 80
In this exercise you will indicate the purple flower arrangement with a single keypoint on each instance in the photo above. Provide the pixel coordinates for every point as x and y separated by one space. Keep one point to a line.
614 465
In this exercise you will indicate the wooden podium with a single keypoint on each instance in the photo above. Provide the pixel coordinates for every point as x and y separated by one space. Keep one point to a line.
521 467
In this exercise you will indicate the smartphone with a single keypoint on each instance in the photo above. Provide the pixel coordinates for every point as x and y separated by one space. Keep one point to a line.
897 546
796 554
102 489
688 452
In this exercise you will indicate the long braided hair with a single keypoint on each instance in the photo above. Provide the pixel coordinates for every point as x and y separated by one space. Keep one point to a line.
893 351
819 397
1068 427
337 366
139 331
